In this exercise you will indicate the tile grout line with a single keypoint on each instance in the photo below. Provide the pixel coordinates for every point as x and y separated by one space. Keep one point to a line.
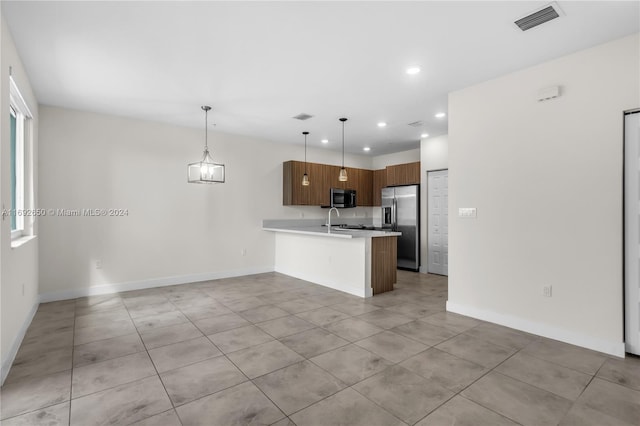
232 363
573 402
458 393
428 347
366 378
154 366
45 375
398 364
282 368
556 363
73 350
228 359
223 354
139 334
491 370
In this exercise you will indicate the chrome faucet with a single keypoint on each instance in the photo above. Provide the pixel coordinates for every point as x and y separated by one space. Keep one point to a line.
329 218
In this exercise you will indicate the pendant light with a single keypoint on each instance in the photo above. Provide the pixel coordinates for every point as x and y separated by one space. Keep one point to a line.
343 171
205 170
305 177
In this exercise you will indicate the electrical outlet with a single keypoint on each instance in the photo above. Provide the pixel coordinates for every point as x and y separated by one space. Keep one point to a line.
546 291
243 252
98 264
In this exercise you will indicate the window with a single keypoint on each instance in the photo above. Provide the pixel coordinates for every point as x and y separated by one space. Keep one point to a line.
19 136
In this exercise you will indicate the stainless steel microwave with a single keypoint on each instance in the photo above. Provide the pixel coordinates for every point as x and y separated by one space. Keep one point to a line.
343 198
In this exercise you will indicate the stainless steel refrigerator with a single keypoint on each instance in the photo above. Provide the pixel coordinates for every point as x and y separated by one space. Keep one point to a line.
401 212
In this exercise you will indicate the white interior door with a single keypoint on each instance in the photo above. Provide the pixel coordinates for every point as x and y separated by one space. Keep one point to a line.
438 222
632 232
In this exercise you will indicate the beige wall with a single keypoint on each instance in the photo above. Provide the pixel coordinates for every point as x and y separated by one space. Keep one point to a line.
382 161
546 179
174 231
18 265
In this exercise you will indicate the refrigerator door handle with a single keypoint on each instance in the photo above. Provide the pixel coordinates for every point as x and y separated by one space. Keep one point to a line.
394 219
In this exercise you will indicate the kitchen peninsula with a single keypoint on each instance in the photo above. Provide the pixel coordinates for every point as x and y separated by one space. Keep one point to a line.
361 262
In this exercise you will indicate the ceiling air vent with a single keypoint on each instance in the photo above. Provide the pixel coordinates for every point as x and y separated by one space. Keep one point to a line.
302 116
418 123
539 17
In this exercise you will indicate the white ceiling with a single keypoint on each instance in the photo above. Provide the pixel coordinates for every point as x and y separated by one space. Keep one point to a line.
260 63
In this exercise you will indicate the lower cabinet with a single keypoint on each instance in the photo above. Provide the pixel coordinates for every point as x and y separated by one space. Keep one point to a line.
384 263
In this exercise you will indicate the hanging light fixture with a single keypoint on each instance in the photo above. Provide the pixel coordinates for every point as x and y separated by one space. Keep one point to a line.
343 171
205 170
305 176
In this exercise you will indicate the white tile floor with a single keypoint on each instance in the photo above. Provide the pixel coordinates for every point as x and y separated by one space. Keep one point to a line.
271 349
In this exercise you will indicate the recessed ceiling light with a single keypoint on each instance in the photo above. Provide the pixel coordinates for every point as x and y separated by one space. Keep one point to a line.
366 148
440 115
325 141
424 135
413 70
382 124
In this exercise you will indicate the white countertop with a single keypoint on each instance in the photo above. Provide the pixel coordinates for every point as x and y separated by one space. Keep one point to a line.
334 232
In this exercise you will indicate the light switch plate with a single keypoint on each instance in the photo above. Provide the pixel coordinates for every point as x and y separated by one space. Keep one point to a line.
468 212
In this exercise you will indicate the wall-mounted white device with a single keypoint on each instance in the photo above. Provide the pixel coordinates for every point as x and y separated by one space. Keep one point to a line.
548 93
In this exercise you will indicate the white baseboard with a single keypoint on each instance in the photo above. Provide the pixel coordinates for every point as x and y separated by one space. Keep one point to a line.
150 283
610 347
15 345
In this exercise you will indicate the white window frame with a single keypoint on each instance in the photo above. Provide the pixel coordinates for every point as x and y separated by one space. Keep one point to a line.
18 108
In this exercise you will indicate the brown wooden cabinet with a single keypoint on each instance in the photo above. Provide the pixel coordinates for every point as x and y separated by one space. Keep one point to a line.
403 174
352 181
384 263
323 177
317 194
330 180
293 193
365 187
379 182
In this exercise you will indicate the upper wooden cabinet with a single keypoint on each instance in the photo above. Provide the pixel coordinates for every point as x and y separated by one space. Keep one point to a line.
379 182
323 177
316 182
293 193
403 174
365 187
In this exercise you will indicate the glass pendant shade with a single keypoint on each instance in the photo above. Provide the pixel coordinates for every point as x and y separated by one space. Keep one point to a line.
205 170
305 177
343 172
